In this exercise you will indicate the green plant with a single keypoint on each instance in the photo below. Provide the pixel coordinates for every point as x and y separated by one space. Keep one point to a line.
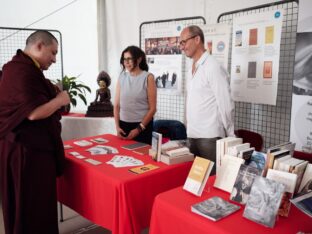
74 88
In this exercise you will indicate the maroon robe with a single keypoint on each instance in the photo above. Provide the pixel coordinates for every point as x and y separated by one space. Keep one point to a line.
31 152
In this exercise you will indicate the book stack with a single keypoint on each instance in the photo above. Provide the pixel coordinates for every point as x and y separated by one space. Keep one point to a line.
174 152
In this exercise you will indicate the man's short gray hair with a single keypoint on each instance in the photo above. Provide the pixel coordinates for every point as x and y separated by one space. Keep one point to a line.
195 30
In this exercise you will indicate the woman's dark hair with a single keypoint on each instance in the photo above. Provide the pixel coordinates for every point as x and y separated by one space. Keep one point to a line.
105 77
136 53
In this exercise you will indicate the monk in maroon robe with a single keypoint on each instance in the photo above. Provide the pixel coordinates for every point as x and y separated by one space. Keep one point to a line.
31 149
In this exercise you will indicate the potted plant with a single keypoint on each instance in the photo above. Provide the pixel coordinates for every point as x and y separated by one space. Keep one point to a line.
75 89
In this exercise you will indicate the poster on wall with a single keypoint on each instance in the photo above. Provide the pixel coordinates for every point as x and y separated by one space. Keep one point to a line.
217 41
164 58
255 57
301 113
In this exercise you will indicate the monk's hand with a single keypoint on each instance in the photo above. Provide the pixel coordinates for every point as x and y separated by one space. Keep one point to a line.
62 98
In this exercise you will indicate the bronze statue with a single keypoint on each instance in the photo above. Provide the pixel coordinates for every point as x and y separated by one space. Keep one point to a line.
102 105
103 92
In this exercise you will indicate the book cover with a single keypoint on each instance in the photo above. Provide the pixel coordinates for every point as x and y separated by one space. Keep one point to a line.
246 153
252 69
306 182
263 201
143 169
198 176
289 180
156 145
228 172
269 34
243 183
253 36
267 69
214 208
234 150
258 160
304 203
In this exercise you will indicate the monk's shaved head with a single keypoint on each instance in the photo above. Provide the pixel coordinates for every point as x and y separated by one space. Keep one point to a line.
40 36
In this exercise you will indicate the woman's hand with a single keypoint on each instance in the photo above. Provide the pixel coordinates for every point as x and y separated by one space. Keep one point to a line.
133 133
121 133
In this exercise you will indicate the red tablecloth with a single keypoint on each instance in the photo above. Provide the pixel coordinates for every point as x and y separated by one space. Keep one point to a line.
114 197
172 214
71 114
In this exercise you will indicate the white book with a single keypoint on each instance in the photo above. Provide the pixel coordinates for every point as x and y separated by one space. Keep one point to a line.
276 164
234 150
156 145
299 171
221 149
306 182
289 181
178 159
198 176
178 151
228 172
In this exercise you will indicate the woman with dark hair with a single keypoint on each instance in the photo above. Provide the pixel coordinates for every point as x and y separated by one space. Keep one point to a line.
135 98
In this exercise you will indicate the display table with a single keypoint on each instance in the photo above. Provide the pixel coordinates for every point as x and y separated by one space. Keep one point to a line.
172 214
115 198
75 127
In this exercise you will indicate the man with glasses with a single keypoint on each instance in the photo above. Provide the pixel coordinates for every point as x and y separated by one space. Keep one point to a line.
209 107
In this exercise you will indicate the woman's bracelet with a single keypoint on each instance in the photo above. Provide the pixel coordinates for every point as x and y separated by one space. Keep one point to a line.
141 127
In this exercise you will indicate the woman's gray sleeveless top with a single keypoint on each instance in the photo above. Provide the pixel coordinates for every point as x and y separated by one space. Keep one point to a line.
133 96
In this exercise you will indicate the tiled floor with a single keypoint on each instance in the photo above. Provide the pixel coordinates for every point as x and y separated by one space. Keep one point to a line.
73 224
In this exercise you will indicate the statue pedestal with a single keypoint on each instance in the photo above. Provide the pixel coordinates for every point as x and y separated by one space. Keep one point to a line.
104 109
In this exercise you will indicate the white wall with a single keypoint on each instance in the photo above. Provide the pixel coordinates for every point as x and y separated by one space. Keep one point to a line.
78 25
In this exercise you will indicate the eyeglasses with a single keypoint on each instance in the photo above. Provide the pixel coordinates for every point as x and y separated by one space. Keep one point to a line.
127 59
183 42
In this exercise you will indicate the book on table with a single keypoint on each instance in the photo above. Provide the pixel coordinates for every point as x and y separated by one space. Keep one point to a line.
156 146
304 202
243 183
176 159
263 201
134 146
227 173
198 176
214 208
289 180
306 182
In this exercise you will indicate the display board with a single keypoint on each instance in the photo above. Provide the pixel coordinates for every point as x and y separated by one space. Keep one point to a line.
171 80
271 121
12 39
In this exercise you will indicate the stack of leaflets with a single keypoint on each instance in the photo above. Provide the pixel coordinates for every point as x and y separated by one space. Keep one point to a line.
102 149
99 140
124 161
77 155
263 201
214 208
83 143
